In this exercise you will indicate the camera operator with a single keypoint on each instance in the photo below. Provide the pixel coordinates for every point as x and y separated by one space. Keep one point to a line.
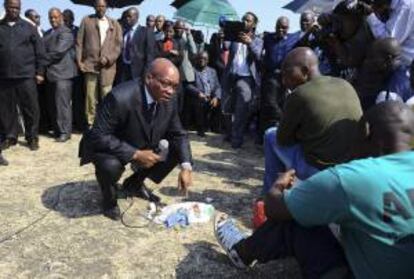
393 18
242 76
344 37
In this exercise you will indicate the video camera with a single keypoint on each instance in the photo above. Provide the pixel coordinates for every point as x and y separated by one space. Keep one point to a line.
231 29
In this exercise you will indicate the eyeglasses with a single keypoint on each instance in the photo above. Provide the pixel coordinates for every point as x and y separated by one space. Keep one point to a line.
166 84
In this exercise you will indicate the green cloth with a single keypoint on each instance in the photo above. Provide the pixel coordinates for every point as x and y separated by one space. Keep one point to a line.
322 116
373 202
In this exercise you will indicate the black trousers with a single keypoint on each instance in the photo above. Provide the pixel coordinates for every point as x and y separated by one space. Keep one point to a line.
78 103
316 249
108 170
59 105
21 93
205 116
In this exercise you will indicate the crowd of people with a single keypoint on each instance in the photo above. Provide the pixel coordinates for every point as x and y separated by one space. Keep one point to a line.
330 103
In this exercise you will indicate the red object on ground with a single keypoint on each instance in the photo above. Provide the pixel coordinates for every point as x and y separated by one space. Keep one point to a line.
259 216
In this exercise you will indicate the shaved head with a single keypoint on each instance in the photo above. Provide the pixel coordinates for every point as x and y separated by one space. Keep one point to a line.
299 66
385 129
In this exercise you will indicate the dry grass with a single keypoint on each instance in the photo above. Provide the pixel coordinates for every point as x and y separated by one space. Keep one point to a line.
71 239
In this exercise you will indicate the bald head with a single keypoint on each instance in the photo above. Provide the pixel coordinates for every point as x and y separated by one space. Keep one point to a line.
385 129
383 55
307 19
162 79
299 66
282 27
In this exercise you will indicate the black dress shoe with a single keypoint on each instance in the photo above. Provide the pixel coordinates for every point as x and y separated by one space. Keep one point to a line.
201 134
33 144
113 213
144 193
63 138
7 143
3 161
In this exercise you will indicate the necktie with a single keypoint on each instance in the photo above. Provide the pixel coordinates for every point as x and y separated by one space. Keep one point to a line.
150 112
128 47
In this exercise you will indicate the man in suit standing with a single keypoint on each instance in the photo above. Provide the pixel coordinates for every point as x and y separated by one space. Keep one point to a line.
21 66
138 49
61 68
98 46
242 77
78 94
129 126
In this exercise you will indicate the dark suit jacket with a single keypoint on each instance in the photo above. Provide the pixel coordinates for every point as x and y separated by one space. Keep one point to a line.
59 45
120 127
143 51
215 49
21 51
198 85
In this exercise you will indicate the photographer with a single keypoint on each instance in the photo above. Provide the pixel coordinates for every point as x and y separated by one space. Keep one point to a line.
241 77
344 37
393 18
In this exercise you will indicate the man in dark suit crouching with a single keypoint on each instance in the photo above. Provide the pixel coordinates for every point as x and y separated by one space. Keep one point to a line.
129 126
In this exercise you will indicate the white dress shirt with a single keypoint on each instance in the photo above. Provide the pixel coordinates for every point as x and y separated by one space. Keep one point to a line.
240 65
103 24
400 26
150 101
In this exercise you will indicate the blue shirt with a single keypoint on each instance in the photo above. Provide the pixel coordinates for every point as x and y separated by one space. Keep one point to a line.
373 202
277 49
400 83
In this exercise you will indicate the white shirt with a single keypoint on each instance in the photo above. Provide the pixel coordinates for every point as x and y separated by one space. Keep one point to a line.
103 24
240 65
150 101
400 26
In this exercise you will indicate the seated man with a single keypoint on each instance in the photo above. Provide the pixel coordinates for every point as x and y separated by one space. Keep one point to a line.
372 200
128 129
318 124
381 63
206 93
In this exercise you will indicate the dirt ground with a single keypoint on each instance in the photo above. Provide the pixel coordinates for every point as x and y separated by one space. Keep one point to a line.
51 224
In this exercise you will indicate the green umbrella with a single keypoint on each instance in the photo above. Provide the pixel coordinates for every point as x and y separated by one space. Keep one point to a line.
206 12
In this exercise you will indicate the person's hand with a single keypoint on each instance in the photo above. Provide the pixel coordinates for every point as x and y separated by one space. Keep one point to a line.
203 96
214 102
185 180
81 67
39 79
245 38
365 8
285 180
174 52
103 61
146 158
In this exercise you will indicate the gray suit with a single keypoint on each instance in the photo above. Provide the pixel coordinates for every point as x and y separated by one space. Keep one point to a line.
61 68
142 52
239 92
